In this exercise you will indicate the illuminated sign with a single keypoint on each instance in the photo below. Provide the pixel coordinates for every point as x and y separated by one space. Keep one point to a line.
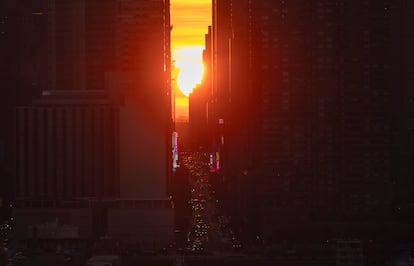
174 140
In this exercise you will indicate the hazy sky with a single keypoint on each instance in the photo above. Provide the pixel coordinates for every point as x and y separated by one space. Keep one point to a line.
190 20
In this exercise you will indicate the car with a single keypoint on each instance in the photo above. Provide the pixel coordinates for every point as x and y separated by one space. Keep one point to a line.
237 245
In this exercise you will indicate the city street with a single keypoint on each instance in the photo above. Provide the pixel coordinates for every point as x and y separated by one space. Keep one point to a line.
210 231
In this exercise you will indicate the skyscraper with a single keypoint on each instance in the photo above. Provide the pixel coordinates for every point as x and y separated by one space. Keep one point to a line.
56 133
142 78
311 97
199 102
403 52
22 49
99 134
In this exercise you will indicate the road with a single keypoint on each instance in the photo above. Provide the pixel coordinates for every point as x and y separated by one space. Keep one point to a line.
210 231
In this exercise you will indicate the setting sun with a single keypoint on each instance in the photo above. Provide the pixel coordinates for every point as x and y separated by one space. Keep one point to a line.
190 68
189 20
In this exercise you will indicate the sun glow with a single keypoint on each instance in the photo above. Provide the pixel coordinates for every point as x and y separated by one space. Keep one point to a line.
190 68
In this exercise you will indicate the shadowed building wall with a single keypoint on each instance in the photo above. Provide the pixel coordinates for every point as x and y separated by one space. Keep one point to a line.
312 95
142 81
67 146
100 132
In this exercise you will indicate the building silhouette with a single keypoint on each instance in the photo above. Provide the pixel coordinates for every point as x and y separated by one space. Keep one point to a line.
199 102
22 49
67 147
93 148
315 126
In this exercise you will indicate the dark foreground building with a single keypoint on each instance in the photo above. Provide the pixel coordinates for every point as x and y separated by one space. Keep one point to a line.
93 149
316 104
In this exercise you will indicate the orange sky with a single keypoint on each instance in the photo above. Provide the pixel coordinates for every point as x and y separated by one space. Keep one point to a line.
190 20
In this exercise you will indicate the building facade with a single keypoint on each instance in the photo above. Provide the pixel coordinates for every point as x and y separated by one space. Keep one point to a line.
200 102
67 146
310 109
99 133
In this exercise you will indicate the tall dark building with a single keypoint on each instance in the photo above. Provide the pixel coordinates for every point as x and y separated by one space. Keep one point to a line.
94 149
81 36
47 146
326 110
142 78
221 31
67 148
199 102
311 106
403 104
22 51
